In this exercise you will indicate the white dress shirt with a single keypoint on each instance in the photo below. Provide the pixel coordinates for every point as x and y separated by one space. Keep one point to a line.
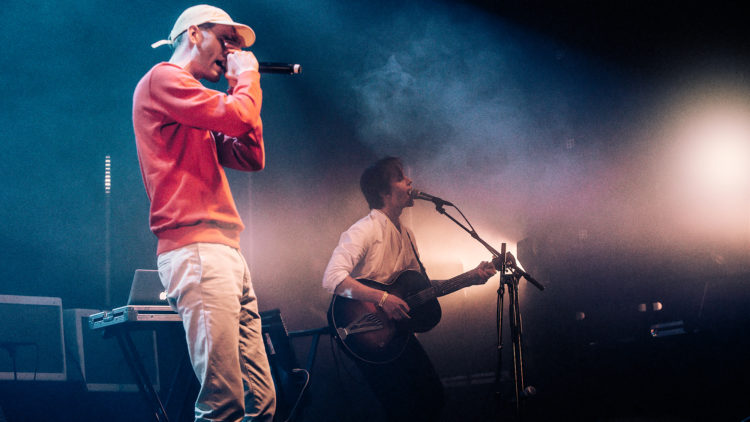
372 248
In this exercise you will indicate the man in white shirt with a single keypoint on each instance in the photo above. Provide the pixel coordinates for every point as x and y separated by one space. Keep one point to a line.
377 248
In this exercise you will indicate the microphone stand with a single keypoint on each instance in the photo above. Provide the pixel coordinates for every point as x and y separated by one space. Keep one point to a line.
510 275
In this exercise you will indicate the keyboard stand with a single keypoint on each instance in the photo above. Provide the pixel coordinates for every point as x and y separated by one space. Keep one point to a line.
145 386
118 323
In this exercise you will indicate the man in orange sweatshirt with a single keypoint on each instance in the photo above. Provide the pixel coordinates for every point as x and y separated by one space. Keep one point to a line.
185 135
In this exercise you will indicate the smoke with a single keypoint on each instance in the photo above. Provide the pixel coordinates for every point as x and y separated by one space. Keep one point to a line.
438 89
483 112
526 136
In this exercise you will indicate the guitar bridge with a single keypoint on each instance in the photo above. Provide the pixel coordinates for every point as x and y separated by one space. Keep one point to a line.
365 323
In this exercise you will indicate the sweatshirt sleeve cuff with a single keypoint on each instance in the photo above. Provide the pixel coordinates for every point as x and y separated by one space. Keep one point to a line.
248 76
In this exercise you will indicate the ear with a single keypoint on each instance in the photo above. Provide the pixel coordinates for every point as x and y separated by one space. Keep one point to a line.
194 34
384 195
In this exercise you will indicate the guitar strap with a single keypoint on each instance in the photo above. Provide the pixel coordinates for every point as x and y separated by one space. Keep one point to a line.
416 255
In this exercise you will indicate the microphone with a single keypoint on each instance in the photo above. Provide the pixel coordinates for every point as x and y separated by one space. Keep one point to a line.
529 278
280 68
415 194
510 261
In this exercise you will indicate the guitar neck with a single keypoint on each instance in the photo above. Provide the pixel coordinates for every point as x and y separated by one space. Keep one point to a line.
456 283
441 288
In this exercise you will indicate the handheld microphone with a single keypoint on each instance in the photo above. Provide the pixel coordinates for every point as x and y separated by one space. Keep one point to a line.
415 194
280 68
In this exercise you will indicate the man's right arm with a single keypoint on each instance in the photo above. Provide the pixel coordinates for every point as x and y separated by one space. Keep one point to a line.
177 94
337 279
392 305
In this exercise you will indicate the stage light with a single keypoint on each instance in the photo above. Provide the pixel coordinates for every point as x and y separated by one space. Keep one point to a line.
711 131
709 167
717 149
655 307
107 175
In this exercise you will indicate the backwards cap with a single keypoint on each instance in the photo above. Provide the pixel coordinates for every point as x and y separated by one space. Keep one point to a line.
204 13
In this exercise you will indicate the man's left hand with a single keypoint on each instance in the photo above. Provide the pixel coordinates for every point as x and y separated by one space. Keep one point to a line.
484 271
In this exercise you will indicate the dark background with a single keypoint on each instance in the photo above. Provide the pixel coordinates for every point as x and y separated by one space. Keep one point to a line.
554 126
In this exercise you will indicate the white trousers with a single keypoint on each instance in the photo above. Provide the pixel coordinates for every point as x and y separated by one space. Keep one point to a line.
209 285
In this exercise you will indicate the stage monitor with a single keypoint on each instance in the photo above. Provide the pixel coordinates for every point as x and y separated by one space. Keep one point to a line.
31 339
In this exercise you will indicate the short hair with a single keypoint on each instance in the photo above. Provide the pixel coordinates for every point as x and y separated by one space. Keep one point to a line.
181 38
376 180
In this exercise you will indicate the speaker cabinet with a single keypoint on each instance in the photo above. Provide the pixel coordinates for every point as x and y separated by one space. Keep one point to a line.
31 339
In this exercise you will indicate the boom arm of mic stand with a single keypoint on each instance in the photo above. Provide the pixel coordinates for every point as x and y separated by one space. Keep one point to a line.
439 208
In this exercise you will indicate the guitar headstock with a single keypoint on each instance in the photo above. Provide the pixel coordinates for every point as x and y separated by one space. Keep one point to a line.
497 263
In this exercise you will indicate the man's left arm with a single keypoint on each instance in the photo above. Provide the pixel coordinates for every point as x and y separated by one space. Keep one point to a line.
245 152
478 275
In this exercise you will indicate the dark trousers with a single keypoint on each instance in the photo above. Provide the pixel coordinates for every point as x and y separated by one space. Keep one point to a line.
408 388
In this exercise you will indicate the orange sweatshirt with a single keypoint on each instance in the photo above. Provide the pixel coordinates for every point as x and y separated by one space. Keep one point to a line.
185 134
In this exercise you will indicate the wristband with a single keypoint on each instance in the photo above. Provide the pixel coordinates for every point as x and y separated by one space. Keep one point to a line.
382 299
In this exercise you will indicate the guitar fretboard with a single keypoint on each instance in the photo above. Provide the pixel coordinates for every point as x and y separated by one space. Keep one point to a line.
440 289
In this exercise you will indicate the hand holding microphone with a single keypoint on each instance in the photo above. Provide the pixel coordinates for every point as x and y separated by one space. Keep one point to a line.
239 61
244 63
270 67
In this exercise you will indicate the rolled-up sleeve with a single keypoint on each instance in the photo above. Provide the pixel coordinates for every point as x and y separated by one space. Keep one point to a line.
245 153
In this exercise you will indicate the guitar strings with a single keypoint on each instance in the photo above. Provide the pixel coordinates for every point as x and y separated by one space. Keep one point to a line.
444 288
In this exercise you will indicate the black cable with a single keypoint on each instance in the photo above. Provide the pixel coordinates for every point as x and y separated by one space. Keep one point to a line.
11 348
465 219
301 393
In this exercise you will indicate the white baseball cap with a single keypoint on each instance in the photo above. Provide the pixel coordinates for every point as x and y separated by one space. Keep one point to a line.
204 13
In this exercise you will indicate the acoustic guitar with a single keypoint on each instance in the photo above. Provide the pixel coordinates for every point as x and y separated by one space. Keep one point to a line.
365 331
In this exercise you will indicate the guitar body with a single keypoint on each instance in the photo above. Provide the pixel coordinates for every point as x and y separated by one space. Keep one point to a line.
365 330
